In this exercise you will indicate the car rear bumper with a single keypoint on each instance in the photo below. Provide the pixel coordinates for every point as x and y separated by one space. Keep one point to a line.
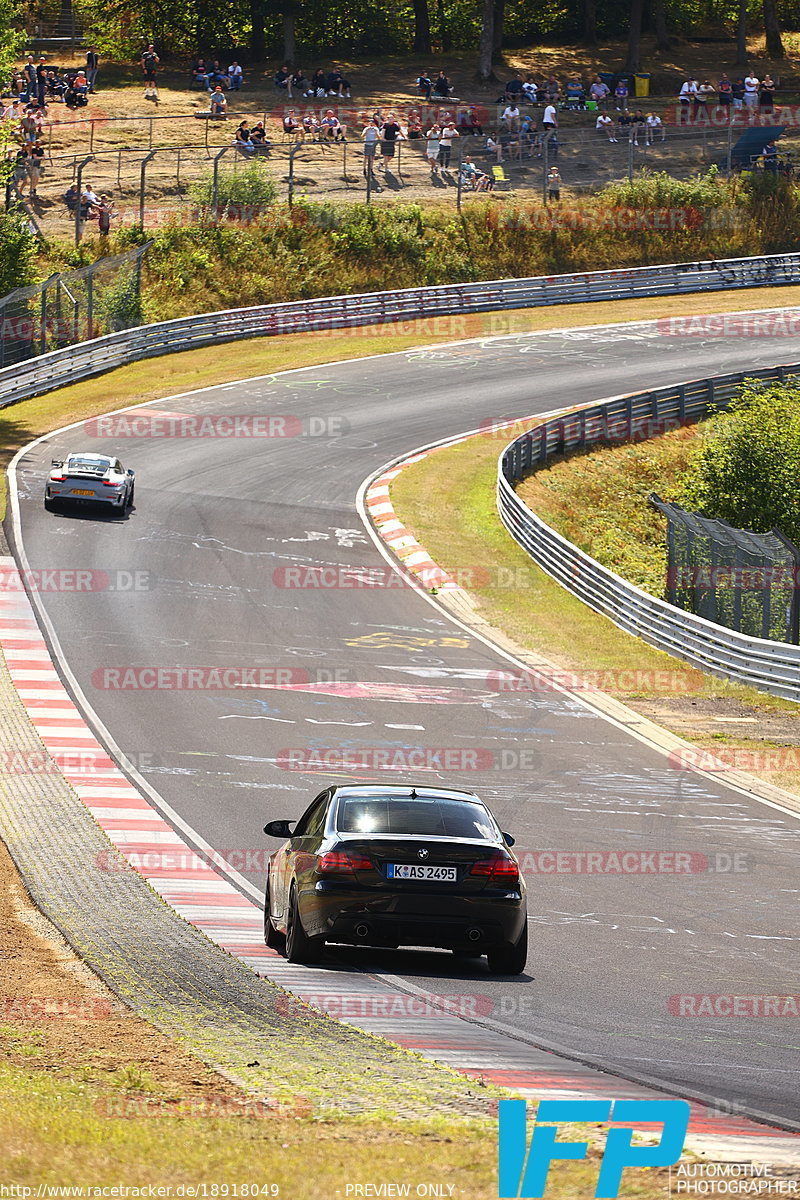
418 919
115 499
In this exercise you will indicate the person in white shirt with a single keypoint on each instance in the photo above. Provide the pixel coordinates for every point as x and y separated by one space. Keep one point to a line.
605 124
549 118
688 92
511 117
234 77
652 124
751 91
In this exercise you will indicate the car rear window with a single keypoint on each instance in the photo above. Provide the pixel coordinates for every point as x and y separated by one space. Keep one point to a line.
100 465
427 816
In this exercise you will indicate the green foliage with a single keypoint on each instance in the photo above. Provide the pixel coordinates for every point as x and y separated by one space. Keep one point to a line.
242 193
11 37
747 468
17 249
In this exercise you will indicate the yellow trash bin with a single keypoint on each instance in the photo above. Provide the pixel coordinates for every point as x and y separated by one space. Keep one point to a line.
642 84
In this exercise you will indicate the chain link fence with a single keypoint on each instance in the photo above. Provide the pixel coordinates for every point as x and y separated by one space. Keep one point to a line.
72 307
745 581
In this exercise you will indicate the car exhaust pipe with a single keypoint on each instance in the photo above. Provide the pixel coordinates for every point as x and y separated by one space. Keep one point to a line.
474 935
362 931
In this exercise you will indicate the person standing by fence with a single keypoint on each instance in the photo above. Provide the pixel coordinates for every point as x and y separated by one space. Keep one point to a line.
92 63
150 61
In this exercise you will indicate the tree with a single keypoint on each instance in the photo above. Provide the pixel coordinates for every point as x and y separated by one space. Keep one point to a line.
663 40
422 27
772 30
445 36
497 31
590 21
10 36
741 35
486 44
633 59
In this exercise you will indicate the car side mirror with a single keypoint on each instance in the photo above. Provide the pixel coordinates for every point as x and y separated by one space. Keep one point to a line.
130 471
278 829
508 839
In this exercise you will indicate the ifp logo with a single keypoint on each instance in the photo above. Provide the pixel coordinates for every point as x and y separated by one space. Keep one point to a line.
523 1171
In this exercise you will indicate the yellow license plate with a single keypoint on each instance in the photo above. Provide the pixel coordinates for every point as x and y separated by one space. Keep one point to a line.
81 492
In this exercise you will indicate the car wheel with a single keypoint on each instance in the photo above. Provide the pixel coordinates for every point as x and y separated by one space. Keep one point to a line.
275 940
50 505
300 948
131 495
509 958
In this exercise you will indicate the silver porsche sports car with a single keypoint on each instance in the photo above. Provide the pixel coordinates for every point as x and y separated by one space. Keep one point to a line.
93 478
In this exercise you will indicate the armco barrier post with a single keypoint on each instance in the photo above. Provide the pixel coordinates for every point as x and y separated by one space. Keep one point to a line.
142 171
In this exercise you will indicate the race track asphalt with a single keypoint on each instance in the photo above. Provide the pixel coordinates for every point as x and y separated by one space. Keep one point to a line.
217 523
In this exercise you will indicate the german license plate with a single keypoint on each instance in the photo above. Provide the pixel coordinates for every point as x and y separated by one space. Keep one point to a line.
426 871
81 492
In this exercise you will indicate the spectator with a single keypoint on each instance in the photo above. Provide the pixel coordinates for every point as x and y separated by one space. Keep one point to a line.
553 184
514 88
653 124
29 71
331 128
370 137
218 104
687 94
200 74
432 148
424 84
638 126
298 83
737 94
751 86
475 128
724 91
599 92
242 139
413 126
624 122
20 174
605 124
235 77
549 118
511 117
766 94
291 125
442 85
35 165
258 136
704 91
479 180
770 154
575 95
70 198
317 84
105 214
282 78
217 75
310 125
55 86
92 64
552 90
446 136
150 61
29 125
530 92
621 93
81 85
41 82
337 85
391 133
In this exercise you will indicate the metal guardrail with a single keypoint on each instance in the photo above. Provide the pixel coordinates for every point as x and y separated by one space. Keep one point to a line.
61 367
769 666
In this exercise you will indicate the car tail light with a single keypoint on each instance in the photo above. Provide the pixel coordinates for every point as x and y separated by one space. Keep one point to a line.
339 862
499 868
109 483
58 479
